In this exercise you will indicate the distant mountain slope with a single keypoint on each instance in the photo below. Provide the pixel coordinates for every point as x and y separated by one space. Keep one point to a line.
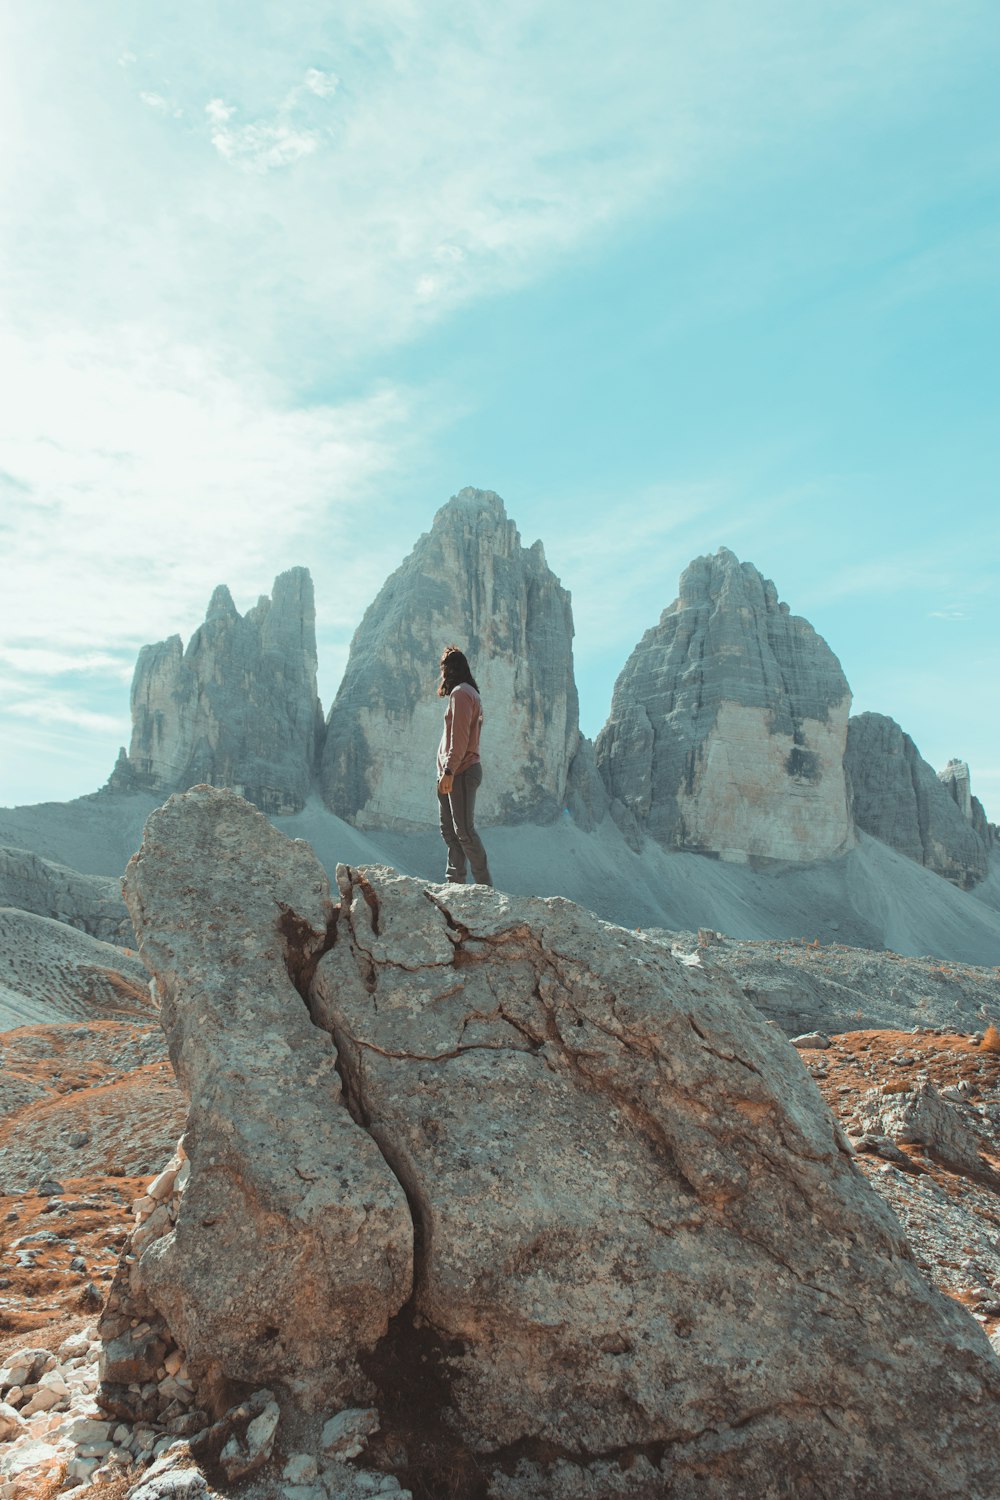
52 972
870 897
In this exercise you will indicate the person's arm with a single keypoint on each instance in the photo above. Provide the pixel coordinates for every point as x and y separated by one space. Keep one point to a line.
463 709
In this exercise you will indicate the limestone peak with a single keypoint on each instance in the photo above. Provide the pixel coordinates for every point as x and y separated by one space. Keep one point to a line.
238 707
468 581
728 724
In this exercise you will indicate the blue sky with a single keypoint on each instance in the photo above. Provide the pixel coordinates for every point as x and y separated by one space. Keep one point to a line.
278 280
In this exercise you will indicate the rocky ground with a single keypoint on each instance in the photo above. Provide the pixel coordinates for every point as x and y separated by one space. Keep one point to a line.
806 983
91 1112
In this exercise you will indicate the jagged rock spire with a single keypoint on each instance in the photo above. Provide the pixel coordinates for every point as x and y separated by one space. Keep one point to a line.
238 708
468 581
898 798
728 724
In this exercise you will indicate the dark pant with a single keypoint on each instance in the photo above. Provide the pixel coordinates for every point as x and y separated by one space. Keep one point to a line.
458 828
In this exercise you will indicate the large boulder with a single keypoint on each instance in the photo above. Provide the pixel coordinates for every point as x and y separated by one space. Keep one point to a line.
643 1259
292 1248
467 582
898 798
728 724
238 708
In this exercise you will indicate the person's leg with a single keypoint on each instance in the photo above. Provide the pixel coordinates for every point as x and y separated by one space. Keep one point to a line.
463 811
456 854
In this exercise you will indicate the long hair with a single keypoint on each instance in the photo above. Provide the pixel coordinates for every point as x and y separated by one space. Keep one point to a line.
455 670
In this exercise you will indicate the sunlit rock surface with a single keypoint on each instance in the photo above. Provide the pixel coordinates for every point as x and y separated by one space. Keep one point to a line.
237 708
468 582
898 798
728 725
618 1227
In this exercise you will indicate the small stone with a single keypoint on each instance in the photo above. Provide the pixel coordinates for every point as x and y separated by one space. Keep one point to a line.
87 1430
75 1347
96 1450
161 1187
11 1422
165 1480
347 1433
44 1399
79 1138
301 1468
811 1040
50 1188
81 1469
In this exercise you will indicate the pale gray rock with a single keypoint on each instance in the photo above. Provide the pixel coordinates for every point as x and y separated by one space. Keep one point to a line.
587 799
728 725
12 1424
238 708
292 1244
836 989
898 798
921 1117
816 1040
164 1481
957 779
348 1432
93 903
635 1225
468 582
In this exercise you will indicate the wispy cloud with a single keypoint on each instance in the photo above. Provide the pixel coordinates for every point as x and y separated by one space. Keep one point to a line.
56 710
265 144
146 474
511 139
645 544
42 662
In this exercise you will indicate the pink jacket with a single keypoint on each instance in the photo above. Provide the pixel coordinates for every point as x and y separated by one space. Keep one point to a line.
463 722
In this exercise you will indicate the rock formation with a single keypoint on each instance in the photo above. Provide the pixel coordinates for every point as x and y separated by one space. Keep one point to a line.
898 798
468 581
92 903
586 1192
238 708
957 778
315 1188
728 725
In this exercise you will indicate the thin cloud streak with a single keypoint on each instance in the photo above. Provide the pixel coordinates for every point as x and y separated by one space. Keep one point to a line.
57 711
144 481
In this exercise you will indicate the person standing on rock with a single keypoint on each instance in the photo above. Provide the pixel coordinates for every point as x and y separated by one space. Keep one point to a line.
459 770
